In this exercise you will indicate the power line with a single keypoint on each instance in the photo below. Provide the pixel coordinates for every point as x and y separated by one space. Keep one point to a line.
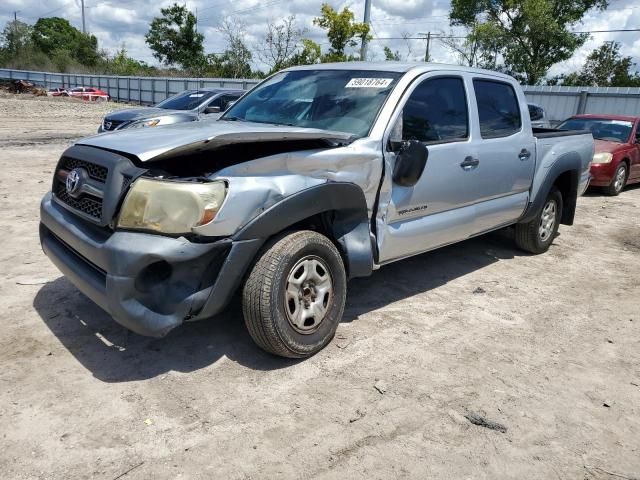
618 30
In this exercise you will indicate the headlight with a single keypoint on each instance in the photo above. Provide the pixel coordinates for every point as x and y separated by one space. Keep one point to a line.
171 207
602 158
145 123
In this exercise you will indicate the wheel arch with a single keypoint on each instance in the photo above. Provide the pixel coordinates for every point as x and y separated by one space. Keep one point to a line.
564 175
337 209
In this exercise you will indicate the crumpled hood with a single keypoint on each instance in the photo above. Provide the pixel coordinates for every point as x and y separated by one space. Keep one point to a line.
130 114
604 146
162 143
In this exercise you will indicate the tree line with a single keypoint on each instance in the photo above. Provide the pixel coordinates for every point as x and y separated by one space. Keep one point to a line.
523 38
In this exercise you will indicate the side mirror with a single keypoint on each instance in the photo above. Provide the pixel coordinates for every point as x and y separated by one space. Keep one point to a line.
212 110
411 160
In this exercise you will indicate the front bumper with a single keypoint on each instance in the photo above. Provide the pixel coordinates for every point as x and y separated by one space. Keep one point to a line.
603 173
147 283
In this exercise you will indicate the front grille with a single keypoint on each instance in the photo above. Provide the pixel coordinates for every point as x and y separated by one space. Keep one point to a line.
111 124
97 172
85 203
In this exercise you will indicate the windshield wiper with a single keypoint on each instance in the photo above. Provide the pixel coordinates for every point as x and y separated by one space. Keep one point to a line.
233 119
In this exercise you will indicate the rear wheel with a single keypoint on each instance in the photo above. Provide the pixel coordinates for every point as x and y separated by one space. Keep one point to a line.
619 181
294 296
537 235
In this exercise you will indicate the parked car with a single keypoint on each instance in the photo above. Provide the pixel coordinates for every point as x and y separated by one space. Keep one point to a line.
616 162
58 92
187 106
317 175
89 94
538 116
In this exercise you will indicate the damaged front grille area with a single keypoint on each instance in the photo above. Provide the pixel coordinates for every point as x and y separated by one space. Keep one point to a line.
90 182
86 204
97 172
86 199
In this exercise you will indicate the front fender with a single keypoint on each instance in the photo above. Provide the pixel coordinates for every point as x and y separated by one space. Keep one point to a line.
350 222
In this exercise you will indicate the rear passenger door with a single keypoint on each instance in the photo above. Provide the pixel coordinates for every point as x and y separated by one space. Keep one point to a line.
505 149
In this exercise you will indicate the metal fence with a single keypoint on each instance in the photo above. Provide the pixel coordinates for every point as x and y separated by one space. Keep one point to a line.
559 102
562 102
140 90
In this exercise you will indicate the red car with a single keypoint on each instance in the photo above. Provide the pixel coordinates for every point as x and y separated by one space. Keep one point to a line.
88 93
616 162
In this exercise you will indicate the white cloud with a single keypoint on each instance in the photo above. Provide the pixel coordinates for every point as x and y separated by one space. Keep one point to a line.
115 22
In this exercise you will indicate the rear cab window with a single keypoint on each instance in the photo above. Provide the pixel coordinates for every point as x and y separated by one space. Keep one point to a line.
498 108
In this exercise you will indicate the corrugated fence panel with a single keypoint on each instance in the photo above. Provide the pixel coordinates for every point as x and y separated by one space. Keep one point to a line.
619 104
559 102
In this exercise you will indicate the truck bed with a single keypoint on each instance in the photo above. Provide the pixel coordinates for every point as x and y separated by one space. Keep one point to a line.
540 132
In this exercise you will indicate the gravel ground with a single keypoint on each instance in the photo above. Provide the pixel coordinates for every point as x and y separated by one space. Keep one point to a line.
546 347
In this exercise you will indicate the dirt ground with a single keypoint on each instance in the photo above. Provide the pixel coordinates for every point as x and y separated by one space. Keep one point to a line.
547 346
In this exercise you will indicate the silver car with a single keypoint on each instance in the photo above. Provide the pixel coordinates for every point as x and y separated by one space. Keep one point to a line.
187 106
317 175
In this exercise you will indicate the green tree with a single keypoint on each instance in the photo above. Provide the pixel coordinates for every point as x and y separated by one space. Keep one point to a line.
16 37
280 43
342 32
122 64
235 61
390 55
530 35
174 39
55 35
604 67
309 54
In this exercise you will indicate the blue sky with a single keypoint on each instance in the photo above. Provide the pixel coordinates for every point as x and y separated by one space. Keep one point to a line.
117 22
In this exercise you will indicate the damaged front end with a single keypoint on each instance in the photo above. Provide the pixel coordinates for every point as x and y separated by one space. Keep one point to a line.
150 280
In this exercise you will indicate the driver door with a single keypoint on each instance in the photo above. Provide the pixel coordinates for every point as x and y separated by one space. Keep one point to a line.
436 112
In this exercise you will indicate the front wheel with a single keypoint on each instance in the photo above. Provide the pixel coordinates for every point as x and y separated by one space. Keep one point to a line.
537 235
294 296
619 181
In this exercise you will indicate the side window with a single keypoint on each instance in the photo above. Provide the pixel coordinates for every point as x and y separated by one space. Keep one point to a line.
535 112
216 102
436 111
226 99
497 108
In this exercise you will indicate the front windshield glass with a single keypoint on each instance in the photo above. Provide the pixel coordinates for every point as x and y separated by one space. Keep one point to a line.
339 100
601 128
186 100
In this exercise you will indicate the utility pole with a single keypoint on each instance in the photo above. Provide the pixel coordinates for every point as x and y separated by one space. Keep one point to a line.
84 29
427 55
367 17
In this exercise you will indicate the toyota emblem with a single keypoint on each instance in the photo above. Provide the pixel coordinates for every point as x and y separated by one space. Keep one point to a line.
107 125
73 182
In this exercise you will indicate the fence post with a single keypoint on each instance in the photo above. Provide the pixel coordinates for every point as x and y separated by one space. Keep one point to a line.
582 103
166 88
140 90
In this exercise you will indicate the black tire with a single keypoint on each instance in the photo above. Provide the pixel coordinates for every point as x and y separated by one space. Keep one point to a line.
267 302
529 236
616 186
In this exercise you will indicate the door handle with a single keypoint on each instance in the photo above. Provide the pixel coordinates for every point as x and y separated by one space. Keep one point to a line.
524 155
470 163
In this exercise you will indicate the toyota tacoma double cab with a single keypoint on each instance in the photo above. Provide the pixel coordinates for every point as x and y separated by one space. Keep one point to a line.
319 174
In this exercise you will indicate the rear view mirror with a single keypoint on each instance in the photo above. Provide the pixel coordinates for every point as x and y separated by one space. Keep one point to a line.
411 159
212 110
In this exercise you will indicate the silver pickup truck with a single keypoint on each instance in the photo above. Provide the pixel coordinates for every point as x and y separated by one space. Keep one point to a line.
320 174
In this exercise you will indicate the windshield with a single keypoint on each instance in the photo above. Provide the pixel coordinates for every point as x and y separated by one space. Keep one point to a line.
338 100
186 100
601 128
